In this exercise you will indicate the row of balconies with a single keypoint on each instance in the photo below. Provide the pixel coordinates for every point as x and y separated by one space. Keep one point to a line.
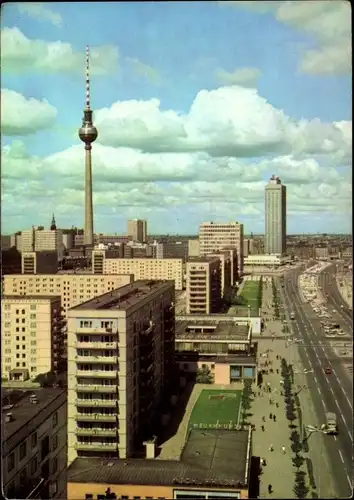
96 359
96 388
97 402
96 345
98 373
96 417
100 446
96 431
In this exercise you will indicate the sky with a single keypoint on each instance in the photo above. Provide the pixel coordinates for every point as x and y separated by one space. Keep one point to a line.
196 104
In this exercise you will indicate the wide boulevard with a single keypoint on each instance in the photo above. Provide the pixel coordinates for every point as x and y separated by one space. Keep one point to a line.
328 392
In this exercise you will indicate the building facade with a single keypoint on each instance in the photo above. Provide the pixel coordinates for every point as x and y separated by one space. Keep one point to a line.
226 270
203 285
120 358
32 336
275 217
45 262
137 229
217 236
193 248
34 443
72 288
145 268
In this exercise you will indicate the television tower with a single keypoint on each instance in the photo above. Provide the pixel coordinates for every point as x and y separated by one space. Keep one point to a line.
88 134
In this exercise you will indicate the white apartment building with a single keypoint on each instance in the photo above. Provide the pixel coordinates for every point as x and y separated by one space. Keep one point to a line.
72 288
38 239
275 217
217 236
32 336
203 289
142 269
26 243
137 229
120 357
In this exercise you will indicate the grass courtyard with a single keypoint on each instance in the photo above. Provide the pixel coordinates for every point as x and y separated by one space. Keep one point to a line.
216 408
250 293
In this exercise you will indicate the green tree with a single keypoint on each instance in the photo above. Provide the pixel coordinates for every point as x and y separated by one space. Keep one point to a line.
204 376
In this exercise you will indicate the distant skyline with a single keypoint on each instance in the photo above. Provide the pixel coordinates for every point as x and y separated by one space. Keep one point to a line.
191 122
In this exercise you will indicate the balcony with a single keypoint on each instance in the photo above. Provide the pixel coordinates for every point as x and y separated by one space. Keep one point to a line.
86 330
96 345
96 359
97 402
96 417
96 431
96 446
96 388
97 373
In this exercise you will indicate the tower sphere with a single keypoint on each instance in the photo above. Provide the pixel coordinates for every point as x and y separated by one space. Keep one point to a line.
88 133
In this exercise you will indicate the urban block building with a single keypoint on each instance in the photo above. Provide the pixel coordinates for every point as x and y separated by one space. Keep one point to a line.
217 236
120 361
145 268
32 336
39 262
226 270
137 229
203 287
275 217
72 288
34 438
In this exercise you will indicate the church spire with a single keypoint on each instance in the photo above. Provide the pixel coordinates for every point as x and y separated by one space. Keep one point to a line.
53 225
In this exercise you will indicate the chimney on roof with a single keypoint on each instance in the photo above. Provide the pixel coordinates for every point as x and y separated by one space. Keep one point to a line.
150 446
8 417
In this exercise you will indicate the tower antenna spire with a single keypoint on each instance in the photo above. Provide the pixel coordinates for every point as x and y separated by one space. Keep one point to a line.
87 77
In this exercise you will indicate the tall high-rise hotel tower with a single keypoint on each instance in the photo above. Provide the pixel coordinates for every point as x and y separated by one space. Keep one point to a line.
275 217
88 134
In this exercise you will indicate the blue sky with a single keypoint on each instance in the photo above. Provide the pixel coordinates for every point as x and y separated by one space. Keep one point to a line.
196 104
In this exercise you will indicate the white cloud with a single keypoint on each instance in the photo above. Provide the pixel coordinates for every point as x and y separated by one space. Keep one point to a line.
144 70
21 116
19 54
327 22
41 12
229 121
245 77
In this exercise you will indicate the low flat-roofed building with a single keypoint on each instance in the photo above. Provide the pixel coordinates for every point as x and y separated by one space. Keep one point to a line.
266 260
120 365
214 463
242 316
203 285
34 437
32 335
225 348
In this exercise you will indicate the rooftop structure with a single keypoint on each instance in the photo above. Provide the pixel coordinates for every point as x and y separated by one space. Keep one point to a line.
215 460
211 330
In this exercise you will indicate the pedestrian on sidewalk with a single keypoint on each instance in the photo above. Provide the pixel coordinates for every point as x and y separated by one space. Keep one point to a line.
274 418
262 427
283 449
263 419
270 489
277 404
270 416
271 448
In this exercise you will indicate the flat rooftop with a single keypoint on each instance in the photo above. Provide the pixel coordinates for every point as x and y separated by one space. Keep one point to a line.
21 298
223 330
17 402
125 297
207 258
210 457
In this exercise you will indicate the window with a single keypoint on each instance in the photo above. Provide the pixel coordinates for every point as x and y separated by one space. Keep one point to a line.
55 442
23 450
34 440
54 465
23 476
11 461
34 465
55 419
53 488
33 307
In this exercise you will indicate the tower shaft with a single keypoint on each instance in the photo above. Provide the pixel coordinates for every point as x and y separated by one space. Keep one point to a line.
88 231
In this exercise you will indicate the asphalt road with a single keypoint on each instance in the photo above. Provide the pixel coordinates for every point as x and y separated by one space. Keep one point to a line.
328 286
328 392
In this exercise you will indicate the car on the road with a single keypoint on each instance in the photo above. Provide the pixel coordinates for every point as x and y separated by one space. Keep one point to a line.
328 370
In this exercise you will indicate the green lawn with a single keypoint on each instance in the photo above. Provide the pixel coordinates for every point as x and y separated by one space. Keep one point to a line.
216 407
250 294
